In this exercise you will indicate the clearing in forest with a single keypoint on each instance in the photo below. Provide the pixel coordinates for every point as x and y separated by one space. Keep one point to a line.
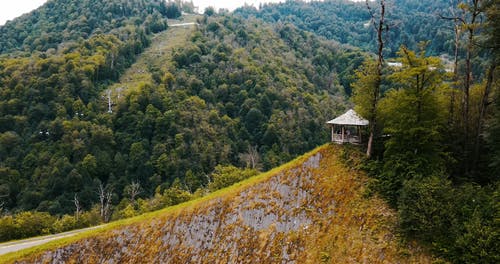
156 56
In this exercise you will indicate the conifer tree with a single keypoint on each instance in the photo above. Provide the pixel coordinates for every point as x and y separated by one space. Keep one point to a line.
413 117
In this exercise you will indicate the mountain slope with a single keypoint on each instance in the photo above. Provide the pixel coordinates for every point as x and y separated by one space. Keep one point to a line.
311 210
201 99
409 22
157 55
60 21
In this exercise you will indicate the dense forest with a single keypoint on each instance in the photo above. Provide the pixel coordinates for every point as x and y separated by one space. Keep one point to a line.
434 152
60 23
348 22
244 95
44 95
239 93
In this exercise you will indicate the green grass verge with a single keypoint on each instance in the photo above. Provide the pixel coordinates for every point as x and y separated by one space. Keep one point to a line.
226 192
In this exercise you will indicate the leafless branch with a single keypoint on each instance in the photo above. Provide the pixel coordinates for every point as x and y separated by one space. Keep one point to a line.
252 157
454 18
78 208
105 196
133 190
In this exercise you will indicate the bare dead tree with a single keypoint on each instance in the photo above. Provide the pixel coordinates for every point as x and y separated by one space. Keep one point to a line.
78 208
471 28
252 157
107 208
2 203
380 27
133 190
110 103
105 196
102 199
458 20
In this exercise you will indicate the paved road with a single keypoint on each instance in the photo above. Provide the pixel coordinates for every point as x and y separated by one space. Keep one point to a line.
31 242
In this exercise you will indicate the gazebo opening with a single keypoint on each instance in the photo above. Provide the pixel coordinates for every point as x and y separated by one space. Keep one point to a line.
347 128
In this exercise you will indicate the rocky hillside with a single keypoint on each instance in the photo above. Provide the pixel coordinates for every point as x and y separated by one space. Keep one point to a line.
311 210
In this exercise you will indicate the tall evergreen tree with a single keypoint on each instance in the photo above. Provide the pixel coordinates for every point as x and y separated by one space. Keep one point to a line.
413 118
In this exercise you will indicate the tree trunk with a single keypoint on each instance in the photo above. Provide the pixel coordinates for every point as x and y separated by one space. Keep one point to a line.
475 12
455 72
78 207
465 112
102 198
379 27
370 143
482 111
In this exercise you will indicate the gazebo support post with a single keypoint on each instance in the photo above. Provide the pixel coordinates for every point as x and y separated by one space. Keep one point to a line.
359 131
343 134
333 129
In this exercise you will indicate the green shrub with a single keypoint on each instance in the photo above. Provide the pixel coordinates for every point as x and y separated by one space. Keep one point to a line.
459 223
8 229
224 176
32 223
426 209
65 223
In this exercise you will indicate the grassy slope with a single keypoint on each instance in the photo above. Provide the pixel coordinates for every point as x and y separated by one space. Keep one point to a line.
310 210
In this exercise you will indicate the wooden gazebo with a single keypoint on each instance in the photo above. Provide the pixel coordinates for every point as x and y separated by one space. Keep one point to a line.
347 128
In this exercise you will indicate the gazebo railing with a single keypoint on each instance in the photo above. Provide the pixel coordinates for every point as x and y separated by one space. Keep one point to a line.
346 139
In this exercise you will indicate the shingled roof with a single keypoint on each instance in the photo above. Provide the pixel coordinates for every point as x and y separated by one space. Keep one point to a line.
349 118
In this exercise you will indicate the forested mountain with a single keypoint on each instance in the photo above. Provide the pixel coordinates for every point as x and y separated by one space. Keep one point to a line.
62 21
348 22
46 95
104 114
435 129
238 92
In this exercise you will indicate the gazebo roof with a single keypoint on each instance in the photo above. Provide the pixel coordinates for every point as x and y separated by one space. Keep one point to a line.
349 118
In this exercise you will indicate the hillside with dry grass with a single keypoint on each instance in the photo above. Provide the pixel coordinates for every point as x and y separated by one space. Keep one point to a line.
311 210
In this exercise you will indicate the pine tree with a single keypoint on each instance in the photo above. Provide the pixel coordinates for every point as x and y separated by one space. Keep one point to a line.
413 119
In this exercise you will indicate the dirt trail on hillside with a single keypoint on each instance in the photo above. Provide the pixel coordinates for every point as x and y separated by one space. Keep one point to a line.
156 56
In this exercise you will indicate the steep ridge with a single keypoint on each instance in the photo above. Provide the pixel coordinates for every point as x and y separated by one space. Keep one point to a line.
311 210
